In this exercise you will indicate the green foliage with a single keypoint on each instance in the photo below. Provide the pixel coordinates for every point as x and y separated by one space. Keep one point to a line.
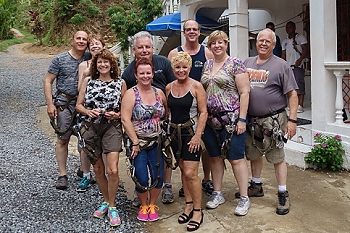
8 12
132 17
78 19
327 153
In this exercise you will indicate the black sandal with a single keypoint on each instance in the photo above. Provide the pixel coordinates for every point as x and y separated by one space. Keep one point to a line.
195 224
184 217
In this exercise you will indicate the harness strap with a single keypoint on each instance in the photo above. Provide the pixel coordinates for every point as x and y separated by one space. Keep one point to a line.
60 109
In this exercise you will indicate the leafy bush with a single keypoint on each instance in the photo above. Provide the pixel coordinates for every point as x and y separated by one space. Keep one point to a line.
7 17
327 153
36 24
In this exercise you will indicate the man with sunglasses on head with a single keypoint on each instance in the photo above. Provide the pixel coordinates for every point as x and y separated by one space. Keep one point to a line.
199 54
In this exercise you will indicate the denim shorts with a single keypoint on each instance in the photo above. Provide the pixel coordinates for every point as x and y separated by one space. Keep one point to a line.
237 144
146 164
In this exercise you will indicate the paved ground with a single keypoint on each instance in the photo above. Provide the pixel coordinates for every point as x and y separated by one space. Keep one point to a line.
320 201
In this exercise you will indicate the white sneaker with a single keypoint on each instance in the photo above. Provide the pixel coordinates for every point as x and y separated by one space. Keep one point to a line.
136 201
300 109
243 206
215 200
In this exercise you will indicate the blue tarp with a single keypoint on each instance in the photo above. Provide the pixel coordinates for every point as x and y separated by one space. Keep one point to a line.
169 25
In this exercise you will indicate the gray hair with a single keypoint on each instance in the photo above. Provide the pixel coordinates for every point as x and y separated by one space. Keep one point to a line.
270 31
140 35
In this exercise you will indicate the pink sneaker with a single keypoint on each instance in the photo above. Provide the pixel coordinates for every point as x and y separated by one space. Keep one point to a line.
153 213
143 213
114 219
101 212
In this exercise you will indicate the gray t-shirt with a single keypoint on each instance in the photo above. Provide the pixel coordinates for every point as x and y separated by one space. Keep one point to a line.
66 68
270 82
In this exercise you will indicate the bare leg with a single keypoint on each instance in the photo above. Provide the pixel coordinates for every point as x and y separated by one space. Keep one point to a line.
101 180
113 176
167 174
85 162
240 170
301 100
281 173
256 167
61 155
154 194
217 168
206 165
143 198
192 187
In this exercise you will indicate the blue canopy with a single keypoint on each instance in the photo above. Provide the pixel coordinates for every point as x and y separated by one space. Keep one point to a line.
168 25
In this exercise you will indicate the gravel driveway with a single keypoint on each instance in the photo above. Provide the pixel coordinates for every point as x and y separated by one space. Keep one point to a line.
28 198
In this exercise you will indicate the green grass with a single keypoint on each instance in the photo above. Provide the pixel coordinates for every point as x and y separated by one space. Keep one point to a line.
29 38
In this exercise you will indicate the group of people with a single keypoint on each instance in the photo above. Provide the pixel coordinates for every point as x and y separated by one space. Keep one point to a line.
208 103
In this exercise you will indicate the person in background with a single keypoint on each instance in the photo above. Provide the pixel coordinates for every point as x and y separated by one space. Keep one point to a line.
188 114
163 74
272 81
143 108
64 69
95 44
278 48
99 103
199 55
226 82
294 51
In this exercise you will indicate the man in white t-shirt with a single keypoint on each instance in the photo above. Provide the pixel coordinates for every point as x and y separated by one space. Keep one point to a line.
294 51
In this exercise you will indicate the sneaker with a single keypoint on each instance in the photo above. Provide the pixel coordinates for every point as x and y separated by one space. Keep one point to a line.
300 109
215 200
101 212
143 213
83 185
153 213
181 192
136 201
243 206
167 194
114 219
62 182
283 203
208 187
254 190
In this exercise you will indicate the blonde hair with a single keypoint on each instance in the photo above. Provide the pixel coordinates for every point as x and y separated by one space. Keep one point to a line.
217 35
181 57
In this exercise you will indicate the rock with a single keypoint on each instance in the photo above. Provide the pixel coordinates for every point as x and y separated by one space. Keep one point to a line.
17 33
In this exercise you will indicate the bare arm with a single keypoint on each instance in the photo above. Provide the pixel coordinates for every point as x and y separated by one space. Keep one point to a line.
302 56
208 54
81 73
243 86
283 56
51 109
293 106
128 103
200 95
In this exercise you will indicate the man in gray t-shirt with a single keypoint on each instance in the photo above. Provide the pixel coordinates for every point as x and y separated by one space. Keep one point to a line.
64 69
273 86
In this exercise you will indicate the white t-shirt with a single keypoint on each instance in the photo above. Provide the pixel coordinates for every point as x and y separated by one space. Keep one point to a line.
291 54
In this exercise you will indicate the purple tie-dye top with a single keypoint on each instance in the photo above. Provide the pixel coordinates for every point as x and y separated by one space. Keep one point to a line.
221 89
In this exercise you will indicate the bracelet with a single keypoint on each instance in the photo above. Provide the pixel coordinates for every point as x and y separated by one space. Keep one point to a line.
293 121
136 144
241 119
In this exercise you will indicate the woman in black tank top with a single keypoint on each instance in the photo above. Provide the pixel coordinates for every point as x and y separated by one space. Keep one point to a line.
187 102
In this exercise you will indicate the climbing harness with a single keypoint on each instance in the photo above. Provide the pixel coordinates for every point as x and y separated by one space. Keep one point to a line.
130 168
53 121
273 131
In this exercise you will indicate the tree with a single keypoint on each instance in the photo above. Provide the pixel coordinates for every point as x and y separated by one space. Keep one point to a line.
8 11
126 20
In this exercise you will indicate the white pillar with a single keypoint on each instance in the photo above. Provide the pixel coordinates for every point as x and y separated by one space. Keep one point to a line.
339 104
238 28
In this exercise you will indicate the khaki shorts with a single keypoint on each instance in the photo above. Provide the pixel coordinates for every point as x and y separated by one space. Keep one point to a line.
274 156
109 141
63 121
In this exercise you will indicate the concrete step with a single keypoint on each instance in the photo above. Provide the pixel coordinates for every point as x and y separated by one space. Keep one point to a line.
295 153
